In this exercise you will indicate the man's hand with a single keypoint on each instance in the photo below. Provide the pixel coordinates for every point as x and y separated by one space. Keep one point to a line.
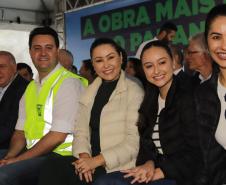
3 162
6 161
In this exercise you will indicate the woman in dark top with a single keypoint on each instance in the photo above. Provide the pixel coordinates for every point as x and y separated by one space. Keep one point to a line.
106 137
168 140
211 103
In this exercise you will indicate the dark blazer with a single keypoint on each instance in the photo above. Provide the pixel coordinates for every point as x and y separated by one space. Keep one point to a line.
196 80
184 80
177 131
9 106
213 169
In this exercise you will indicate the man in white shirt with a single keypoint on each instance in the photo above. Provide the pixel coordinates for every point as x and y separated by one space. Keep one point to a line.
47 112
167 33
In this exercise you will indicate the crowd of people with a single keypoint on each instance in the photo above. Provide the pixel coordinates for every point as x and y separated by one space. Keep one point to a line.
158 118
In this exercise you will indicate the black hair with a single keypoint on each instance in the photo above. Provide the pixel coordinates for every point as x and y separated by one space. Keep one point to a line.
168 26
175 50
136 62
137 66
219 10
43 31
101 41
157 43
88 65
124 58
22 65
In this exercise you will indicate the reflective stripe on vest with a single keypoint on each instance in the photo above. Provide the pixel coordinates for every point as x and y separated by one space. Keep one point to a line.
39 107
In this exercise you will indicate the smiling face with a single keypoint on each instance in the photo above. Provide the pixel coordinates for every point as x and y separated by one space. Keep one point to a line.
216 39
106 62
44 53
158 67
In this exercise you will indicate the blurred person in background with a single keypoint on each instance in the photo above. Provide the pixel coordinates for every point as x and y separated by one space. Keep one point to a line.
166 33
198 59
25 71
134 68
87 71
12 87
178 67
66 59
178 59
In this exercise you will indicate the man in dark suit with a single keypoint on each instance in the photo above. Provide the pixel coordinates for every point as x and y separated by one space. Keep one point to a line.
178 59
12 87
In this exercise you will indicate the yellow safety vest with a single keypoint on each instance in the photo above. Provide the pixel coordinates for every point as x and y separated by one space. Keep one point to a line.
39 107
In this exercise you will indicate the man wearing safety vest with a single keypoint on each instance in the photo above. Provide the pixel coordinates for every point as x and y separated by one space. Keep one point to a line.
47 112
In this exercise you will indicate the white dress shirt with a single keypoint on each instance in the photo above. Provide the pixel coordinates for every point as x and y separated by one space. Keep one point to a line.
64 108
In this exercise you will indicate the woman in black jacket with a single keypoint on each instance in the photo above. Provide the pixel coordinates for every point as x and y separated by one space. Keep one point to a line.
168 140
211 103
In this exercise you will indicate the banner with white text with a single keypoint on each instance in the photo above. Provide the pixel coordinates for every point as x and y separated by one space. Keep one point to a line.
130 22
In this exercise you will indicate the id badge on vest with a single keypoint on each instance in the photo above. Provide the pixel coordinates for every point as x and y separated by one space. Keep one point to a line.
39 109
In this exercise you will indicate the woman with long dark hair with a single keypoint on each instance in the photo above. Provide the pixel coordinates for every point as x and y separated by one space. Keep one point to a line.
211 103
